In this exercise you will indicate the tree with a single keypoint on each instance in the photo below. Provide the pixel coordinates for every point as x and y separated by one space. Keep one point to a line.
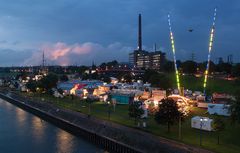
60 91
224 67
22 75
49 81
106 79
94 75
235 108
218 126
32 85
103 65
112 63
82 69
85 76
160 81
189 67
168 66
128 78
147 74
167 113
135 111
202 67
64 78
236 70
109 64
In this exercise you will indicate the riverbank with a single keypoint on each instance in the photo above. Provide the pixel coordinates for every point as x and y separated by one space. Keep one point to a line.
77 122
24 132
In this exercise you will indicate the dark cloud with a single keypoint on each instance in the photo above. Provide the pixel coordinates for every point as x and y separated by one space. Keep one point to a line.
104 22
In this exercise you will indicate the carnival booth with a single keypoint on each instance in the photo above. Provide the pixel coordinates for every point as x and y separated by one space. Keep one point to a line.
202 123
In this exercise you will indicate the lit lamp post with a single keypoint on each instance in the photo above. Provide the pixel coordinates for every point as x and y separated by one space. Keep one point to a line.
109 109
201 124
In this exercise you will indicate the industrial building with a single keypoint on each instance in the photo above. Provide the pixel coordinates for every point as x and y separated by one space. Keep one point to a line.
144 59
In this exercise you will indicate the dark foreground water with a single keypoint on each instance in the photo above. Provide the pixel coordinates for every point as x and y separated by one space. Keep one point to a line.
22 132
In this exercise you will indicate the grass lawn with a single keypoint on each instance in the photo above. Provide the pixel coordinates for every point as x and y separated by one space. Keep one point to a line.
228 139
213 85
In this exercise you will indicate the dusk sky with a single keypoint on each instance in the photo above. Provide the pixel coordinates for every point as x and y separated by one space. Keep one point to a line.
82 31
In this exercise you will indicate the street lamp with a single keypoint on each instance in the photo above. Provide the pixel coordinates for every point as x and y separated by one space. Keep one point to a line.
201 124
109 109
89 101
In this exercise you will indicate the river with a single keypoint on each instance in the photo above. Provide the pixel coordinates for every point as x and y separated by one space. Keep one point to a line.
22 132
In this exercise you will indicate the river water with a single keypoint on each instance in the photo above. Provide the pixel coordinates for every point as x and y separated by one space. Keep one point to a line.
22 132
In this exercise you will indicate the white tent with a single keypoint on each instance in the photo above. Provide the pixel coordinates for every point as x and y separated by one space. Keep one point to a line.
219 109
202 123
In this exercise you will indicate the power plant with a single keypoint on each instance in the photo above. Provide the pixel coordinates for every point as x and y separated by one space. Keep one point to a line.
145 59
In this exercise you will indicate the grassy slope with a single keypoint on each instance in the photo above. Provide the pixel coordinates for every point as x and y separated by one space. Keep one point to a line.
228 139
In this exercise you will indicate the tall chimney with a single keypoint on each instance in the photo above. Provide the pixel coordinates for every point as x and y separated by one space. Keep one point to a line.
43 60
139 32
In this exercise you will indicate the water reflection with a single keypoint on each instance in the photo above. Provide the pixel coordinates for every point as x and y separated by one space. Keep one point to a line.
21 116
38 127
23 132
64 142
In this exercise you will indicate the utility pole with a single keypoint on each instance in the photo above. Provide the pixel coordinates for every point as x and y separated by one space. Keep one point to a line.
192 56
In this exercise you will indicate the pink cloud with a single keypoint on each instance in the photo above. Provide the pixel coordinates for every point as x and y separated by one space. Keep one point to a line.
61 53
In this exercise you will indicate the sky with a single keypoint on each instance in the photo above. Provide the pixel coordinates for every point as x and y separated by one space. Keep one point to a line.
78 32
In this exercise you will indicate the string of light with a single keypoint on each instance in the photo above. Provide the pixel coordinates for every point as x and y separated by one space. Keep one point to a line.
174 54
209 50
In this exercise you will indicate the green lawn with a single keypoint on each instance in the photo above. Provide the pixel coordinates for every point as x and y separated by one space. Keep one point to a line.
213 85
228 140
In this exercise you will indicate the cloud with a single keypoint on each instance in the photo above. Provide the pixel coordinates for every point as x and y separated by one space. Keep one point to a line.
10 57
116 21
61 53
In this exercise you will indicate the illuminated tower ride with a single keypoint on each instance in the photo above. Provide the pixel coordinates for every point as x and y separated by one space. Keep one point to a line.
209 51
174 55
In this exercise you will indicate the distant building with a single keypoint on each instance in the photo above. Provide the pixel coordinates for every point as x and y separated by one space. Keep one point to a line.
144 59
147 60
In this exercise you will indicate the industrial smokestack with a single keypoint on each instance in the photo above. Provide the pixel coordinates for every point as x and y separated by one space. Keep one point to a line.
139 32
43 60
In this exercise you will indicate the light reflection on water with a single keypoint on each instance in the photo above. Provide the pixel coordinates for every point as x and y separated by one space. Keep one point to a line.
64 142
22 132
38 127
20 117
